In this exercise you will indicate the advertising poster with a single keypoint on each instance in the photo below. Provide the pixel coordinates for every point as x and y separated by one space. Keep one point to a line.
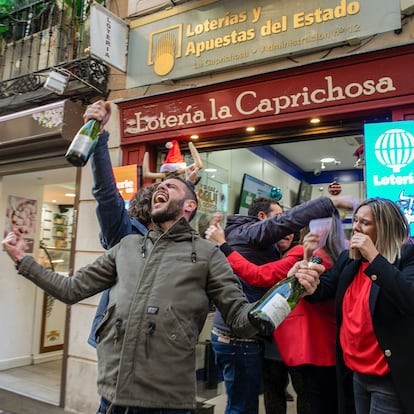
389 153
126 178
21 214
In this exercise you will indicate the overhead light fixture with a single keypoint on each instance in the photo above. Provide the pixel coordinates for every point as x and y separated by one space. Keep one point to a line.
250 129
194 136
70 195
56 82
315 120
328 160
210 169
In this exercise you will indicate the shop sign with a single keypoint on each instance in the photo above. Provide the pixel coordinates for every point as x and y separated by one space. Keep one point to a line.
62 118
126 178
271 100
109 36
389 154
215 35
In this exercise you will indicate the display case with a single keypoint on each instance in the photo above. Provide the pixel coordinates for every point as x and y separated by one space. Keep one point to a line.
56 227
54 253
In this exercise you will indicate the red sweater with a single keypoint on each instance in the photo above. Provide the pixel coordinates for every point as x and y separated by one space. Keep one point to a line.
307 335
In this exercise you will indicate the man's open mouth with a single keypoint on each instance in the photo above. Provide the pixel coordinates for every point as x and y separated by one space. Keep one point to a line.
160 197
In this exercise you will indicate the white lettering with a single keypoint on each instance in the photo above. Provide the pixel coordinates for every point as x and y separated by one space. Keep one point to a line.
393 180
248 103
126 184
330 92
162 121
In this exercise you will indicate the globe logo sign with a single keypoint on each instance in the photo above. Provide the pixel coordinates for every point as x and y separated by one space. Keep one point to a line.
395 149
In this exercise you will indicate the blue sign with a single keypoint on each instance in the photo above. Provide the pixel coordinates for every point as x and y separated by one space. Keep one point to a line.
389 156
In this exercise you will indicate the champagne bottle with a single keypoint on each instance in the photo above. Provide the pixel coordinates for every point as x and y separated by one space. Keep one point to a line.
271 310
84 143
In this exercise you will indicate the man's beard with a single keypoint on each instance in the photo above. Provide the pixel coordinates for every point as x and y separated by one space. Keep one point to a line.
170 213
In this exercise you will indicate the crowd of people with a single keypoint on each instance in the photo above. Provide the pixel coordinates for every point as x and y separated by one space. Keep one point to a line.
345 347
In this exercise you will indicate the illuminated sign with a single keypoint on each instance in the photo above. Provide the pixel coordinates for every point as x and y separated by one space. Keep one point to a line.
389 153
126 178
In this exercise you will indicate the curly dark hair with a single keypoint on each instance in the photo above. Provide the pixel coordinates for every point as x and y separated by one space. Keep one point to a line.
140 204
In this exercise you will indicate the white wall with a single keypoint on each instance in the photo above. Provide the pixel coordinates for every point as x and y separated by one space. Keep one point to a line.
20 300
81 391
356 190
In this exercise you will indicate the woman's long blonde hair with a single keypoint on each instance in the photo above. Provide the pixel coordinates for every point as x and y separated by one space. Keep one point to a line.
392 227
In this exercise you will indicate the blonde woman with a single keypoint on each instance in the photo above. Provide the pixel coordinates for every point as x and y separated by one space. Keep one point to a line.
373 285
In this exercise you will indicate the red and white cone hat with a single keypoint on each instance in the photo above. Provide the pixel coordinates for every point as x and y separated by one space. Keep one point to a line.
174 161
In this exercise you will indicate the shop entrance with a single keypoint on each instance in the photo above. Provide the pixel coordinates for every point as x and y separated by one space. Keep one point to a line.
40 204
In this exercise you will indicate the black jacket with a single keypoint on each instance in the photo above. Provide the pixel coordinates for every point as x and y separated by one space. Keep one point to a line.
391 304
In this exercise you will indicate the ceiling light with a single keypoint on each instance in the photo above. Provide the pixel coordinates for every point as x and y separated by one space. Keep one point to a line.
250 129
194 136
322 166
210 170
70 195
315 120
328 160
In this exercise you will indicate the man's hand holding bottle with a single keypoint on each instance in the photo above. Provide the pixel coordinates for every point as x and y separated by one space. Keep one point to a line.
307 274
100 111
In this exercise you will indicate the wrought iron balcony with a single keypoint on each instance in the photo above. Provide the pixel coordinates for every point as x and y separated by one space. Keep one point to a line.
39 37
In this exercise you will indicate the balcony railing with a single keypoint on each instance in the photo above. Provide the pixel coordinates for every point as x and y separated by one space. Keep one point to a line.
43 35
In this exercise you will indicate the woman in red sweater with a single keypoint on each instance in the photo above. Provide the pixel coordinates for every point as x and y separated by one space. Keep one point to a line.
306 339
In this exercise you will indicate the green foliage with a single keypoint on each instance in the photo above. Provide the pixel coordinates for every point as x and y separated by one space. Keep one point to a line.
6 6
79 4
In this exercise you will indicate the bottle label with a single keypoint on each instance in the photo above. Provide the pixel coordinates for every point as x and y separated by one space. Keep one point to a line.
277 309
82 144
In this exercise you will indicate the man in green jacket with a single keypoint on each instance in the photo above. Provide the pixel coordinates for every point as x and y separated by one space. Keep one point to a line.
160 284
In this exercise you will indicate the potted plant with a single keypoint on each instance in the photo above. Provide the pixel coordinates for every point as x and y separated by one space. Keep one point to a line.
59 231
59 218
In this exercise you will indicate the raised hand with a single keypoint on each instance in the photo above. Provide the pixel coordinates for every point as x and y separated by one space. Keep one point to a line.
15 245
310 244
191 174
364 244
99 110
215 233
